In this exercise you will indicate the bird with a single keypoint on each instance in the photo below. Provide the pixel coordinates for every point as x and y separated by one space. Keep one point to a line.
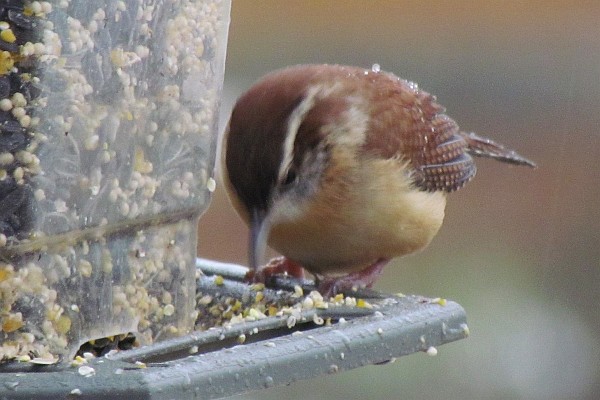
341 169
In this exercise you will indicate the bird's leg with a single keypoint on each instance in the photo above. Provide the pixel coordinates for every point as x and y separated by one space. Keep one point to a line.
276 266
330 286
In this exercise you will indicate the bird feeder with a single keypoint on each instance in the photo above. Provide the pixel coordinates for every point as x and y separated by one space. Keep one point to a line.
108 121
108 126
300 343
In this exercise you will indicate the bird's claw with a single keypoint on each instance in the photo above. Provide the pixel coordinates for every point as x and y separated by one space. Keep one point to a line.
331 286
276 266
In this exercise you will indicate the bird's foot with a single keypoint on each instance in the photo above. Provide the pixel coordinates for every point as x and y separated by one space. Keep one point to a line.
330 286
276 266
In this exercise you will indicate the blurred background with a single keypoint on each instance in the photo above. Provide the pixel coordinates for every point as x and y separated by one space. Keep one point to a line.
520 248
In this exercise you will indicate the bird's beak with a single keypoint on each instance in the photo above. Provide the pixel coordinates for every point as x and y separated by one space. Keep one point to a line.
259 233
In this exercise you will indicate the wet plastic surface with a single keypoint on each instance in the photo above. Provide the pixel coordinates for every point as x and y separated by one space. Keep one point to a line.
213 364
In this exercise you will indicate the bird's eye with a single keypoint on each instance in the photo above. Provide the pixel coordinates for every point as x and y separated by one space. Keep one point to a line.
289 178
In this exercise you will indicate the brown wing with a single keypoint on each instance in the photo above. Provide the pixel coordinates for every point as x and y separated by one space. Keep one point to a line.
443 163
414 127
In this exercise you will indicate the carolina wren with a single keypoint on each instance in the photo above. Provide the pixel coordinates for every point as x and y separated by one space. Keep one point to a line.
341 169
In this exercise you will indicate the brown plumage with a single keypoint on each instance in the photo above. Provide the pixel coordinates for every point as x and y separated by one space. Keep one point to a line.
341 167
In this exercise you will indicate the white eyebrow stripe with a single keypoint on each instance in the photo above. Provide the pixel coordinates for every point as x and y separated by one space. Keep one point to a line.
351 128
294 122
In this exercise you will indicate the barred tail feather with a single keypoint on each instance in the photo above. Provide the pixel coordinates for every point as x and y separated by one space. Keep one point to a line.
483 147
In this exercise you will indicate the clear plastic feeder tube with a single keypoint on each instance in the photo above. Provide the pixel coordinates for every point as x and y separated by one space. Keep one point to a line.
108 125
